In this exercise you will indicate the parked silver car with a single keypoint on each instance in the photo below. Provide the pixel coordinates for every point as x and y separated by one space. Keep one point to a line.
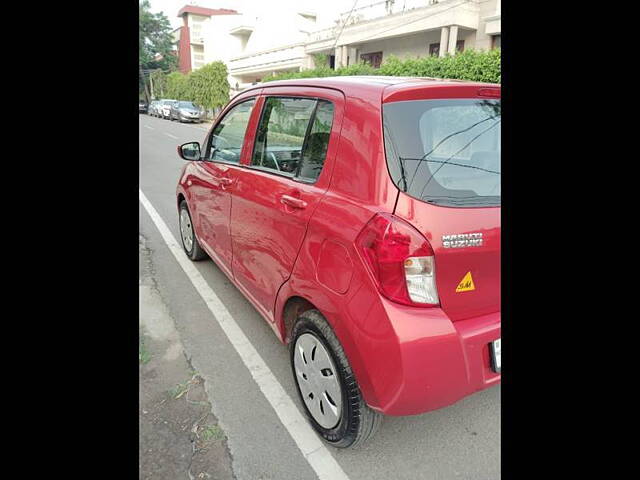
186 112
153 108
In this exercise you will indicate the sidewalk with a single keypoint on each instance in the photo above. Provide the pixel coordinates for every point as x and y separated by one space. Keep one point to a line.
179 435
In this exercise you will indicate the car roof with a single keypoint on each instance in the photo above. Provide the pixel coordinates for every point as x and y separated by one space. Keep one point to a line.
350 84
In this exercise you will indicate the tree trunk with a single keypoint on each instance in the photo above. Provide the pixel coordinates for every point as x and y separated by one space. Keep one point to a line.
146 88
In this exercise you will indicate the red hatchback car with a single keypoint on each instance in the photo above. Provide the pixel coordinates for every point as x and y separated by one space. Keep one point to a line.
361 217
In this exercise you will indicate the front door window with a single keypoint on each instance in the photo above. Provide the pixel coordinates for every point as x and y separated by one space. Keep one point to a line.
227 137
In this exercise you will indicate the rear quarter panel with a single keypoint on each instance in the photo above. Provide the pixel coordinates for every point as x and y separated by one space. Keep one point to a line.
359 188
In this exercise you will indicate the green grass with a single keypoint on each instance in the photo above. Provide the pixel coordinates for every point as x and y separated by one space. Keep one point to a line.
212 433
179 390
143 354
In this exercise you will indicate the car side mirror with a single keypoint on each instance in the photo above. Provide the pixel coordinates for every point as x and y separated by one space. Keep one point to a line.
189 151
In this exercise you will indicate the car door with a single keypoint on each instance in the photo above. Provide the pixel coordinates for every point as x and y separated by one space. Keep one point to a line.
283 179
212 185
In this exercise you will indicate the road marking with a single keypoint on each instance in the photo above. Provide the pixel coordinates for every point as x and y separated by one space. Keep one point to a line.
169 135
312 448
150 128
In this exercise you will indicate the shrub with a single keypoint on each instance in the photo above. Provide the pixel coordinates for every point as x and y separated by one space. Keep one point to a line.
177 87
475 65
208 85
159 80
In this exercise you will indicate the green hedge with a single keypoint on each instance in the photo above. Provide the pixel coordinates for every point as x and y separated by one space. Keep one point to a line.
475 65
207 86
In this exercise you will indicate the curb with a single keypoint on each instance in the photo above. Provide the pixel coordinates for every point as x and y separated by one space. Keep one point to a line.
206 125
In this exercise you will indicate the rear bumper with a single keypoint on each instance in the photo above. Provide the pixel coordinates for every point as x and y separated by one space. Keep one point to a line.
435 361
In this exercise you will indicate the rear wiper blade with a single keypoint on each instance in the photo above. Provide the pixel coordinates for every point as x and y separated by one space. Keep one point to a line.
472 200
449 163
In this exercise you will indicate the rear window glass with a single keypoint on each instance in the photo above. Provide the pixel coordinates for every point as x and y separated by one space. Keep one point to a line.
445 152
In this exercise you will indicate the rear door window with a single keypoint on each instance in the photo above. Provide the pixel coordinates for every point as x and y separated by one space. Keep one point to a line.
445 151
293 136
315 150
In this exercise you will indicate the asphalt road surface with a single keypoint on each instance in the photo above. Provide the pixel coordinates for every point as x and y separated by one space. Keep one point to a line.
458 442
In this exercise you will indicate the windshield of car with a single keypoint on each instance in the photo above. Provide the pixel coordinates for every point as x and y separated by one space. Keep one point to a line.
445 152
187 105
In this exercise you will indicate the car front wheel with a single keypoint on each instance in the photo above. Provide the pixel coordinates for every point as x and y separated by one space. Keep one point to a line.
189 241
326 384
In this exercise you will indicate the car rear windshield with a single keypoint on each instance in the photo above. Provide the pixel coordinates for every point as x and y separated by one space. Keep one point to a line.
445 152
187 105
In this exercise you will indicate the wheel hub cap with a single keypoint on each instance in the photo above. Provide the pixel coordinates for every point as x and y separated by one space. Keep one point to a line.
186 230
318 380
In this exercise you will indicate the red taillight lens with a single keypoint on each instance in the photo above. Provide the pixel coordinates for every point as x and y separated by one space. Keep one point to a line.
400 260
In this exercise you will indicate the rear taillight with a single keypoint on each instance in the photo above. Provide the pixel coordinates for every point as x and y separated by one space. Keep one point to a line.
400 260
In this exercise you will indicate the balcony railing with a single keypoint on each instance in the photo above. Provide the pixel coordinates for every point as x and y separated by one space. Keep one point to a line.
381 9
275 57
373 11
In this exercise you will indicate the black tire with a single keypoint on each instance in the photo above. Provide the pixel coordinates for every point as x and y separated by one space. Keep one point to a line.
196 253
358 423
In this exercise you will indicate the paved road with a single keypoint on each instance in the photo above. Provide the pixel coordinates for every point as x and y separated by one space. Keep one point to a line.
458 442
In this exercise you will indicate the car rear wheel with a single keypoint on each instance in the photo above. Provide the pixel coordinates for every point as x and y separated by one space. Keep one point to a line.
189 241
326 384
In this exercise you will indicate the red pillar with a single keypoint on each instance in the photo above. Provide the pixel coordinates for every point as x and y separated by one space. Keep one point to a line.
184 48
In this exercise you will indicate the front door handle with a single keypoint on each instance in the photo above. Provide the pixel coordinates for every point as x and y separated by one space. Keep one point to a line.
293 201
226 181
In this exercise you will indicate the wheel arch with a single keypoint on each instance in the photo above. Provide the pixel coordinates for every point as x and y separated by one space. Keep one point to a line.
291 303
293 307
180 198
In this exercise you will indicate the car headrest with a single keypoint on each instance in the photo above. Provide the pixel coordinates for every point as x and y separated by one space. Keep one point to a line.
488 160
317 143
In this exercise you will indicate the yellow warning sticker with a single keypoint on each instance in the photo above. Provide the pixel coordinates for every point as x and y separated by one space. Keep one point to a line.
466 284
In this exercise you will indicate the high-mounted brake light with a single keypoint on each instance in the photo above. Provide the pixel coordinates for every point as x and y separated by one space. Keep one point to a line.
400 260
489 92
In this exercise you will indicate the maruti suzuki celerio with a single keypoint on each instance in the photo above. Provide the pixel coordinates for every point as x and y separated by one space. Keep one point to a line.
361 218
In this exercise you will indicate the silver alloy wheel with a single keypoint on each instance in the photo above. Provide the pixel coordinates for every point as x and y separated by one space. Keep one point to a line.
318 380
186 229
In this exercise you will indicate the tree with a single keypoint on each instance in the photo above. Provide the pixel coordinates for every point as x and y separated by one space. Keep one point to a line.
208 85
155 42
155 39
159 81
177 86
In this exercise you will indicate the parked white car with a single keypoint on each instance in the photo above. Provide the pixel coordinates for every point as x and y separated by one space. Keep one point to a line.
165 107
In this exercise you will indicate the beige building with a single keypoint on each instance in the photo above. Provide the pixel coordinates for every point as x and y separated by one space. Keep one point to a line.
271 35
374 31
409 29
285 38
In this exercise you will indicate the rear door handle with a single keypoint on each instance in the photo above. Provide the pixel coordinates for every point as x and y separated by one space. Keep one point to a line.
293 201
226 181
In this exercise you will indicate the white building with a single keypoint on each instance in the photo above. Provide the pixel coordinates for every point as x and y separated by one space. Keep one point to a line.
284 37
408 28
208 35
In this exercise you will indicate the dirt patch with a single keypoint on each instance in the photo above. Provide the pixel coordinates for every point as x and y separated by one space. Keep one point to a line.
179 436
